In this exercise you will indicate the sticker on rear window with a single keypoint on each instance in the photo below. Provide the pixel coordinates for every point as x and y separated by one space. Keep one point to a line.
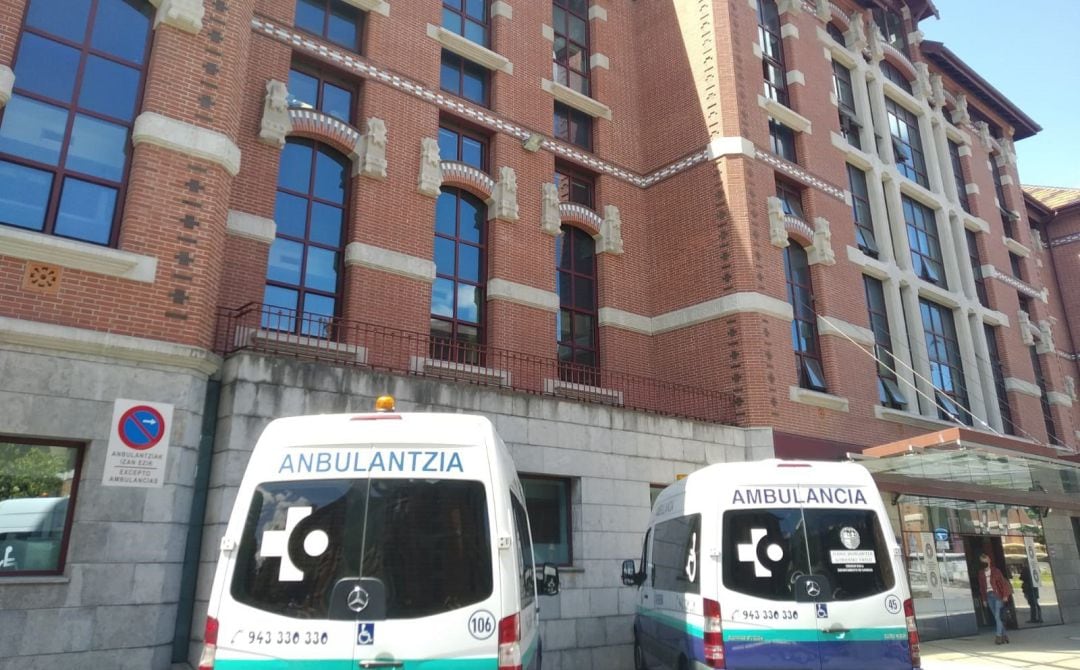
481 624
365 634
850 537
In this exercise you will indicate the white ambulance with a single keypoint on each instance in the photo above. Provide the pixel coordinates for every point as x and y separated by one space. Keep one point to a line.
383 540
777 565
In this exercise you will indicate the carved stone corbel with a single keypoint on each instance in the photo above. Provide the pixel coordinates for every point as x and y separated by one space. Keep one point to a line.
505 206
984 134
611 231
821 250
937 91
185 15
856 33
960 115
922 79
7 83
550 219
1023 321
431 174
792 6
877 43
823 9
1070 388
1045 345
777 231
1037 240
276 124
370 152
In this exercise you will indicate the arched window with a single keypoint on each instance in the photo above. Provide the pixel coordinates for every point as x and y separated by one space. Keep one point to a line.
457 297
64 135
804 332
575 253
303 283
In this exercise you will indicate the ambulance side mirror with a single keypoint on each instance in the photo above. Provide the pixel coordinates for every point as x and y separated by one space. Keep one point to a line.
549 585
630 574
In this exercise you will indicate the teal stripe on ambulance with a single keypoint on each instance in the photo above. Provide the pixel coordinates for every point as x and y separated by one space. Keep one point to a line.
781 634
339 664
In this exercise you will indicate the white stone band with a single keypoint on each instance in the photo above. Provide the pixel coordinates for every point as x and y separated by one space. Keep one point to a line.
186 138
76 255
251 227
520 294
386 260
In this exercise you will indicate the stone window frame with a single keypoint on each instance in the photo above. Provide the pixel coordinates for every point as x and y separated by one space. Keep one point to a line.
69 521
808 363
907 162
889 393
939 329
574 117
72 108
572 371
1007 222
1044 399
976 267
361 24
850 127
958 175
586 48
300 317
865 237
768 28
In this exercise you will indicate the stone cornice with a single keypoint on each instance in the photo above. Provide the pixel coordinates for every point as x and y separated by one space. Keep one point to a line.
466 48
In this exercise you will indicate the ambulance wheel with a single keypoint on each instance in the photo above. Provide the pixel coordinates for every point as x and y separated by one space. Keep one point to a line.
683 664
639 657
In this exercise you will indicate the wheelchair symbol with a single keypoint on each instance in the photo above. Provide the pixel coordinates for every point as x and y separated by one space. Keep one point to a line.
365 635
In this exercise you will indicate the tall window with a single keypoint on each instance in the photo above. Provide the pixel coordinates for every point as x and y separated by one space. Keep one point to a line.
976 267
958 176
946 366
888 389
1015 266
575 187
333 20
845 99
892 28
310 90
463 78
804 334
64 134
573 126
303 273
578 337
468 18
457 297
1040 381
38 482
923 240
836 33
772 52
893 74
782 141
999 378
999 189
907 143
570 20
464 146
860 210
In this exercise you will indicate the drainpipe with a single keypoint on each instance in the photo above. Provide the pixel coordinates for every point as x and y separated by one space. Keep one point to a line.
193 547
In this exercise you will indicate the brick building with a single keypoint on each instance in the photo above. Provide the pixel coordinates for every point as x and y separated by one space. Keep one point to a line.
641 236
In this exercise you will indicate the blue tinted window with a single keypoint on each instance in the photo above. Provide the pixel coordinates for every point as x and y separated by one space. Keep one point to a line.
311 15
474 85
326 224
303 90
24 195
320 273
46 67
337 102
286 257
97 148
290 214
32 130
295 171
471 220
342 27
318 312
468 303
330 176
86 211
446 214
451 21
121 28
450 74
469 263
109 88
442 297
280 305
64 18
476 33
444 256
472 152
448 145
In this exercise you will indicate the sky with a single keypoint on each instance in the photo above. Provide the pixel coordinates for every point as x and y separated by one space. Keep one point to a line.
1030 51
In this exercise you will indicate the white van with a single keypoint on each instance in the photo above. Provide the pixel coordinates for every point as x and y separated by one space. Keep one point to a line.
776 564
379 540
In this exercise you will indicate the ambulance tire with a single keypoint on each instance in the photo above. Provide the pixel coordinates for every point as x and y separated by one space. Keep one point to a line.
683 663
639 656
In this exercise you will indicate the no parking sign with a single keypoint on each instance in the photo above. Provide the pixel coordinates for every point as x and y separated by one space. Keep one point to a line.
138 444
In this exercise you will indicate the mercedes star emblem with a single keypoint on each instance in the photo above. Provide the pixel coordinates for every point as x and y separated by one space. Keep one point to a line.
812 589
358 599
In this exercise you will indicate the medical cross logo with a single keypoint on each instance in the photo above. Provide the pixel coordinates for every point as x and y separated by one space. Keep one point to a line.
275 544
750 553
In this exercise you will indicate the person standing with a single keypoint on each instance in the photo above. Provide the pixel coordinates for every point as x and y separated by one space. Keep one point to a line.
995 591
1031 595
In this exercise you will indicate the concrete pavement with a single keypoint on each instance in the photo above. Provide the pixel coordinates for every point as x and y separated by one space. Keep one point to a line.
1047 648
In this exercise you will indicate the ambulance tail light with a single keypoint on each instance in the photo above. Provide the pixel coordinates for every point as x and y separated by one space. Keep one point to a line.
209 650
714 635
510 643
912 633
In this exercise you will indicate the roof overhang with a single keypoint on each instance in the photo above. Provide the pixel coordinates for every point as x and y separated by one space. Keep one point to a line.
972 465
960 71
920 9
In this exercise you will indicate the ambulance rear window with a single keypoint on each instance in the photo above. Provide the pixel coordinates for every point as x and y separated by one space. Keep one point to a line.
767 550
428 541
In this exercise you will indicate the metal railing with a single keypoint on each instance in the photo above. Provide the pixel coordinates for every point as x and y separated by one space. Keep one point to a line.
335 341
